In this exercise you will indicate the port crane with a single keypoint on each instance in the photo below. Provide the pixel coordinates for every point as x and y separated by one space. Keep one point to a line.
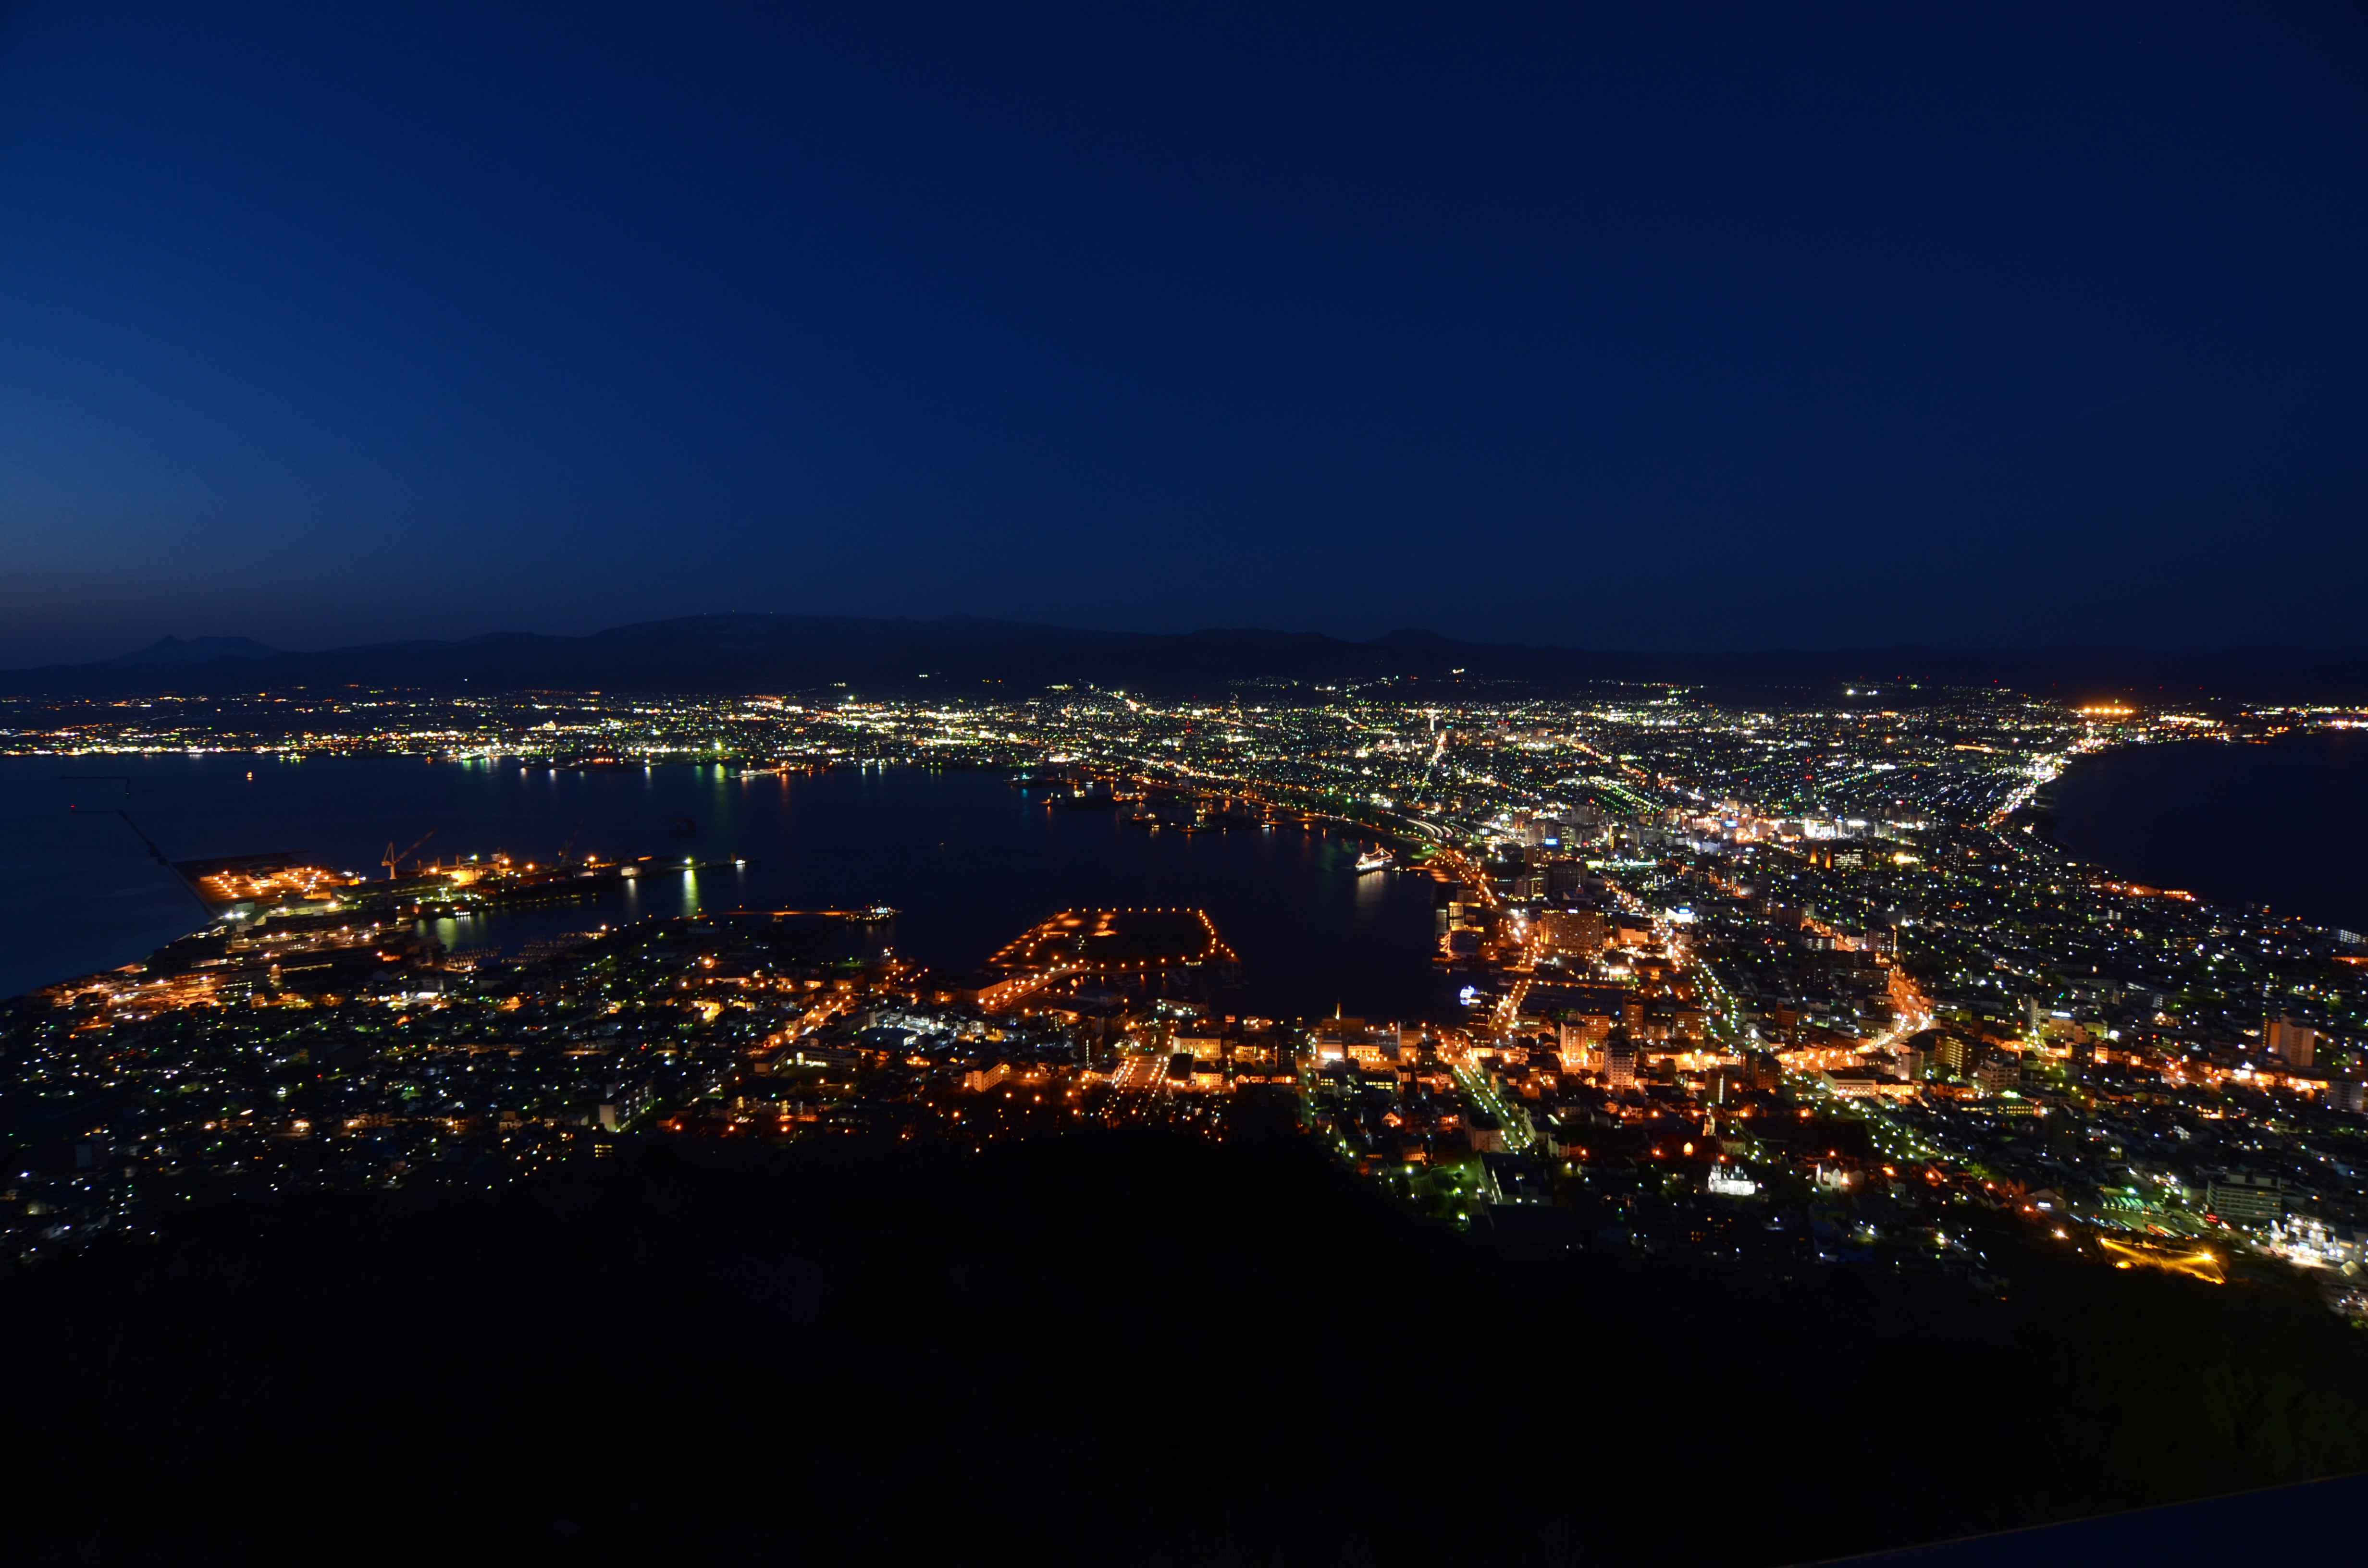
394 861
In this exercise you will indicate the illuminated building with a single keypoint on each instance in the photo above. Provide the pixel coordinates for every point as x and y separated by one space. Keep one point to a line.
1577 933
2290 1039
2244 1199
1619 1060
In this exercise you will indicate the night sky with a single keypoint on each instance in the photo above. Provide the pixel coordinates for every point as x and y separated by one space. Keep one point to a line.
1697 330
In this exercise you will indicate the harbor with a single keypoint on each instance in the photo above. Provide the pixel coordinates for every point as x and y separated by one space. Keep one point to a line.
492 858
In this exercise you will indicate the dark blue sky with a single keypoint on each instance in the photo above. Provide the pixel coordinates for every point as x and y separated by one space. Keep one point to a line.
1702 329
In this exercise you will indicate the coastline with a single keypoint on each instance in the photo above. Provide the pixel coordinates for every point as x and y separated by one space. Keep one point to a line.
2237 823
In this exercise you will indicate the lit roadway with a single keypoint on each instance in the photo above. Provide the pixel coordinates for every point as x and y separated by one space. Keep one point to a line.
1006 994
1139 1073
1896 1140
1170 770
1481 1092
1459 866
812 1019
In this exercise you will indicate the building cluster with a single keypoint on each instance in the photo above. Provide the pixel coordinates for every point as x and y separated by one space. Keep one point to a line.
1792 982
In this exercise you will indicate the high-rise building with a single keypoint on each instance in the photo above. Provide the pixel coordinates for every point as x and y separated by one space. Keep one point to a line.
1579 1038
1952 1054
1572 932
2290 1041
2243 1199
1619 1060
1566 877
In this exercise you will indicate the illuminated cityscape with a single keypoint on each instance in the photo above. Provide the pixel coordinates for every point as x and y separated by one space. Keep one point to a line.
1184 785
1777 983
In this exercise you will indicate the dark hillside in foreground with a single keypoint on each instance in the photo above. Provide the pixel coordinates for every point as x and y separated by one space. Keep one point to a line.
967 654
1111 1348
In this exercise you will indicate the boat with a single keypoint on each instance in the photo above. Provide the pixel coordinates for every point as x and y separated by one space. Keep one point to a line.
1375 861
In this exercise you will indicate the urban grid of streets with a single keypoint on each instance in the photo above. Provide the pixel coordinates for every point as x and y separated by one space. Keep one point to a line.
1797 981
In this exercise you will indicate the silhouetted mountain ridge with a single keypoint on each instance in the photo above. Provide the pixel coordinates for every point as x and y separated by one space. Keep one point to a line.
793 653
195 650
874 1325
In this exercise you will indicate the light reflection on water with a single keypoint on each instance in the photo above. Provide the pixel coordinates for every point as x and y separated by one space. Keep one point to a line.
968 860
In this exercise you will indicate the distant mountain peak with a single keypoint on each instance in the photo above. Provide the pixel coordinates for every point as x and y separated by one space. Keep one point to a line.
195 650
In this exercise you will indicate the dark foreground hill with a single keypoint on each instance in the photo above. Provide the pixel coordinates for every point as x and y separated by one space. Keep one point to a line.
800 652
1106 1349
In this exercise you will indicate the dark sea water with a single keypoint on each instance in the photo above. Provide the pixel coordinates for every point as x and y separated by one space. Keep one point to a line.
970 860
2283 824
